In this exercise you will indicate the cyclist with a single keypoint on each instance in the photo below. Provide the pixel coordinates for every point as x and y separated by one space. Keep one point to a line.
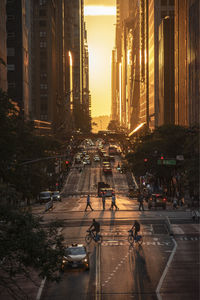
136 228
95 228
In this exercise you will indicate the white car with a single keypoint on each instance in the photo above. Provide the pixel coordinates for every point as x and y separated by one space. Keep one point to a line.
96 158
75 256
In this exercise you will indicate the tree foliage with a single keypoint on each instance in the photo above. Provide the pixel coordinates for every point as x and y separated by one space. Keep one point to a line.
167 141
26 245
20 144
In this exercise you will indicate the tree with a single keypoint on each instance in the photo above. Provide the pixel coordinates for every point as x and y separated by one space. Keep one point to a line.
114 125
26 245
167 141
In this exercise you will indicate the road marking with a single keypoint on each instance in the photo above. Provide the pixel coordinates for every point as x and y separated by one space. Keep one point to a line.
165 271
98 279
39 293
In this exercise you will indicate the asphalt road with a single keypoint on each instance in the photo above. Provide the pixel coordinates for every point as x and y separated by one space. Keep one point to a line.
164 267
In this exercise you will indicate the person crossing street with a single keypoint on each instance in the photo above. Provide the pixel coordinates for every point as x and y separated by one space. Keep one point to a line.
141 201
113 203
103 201
88 203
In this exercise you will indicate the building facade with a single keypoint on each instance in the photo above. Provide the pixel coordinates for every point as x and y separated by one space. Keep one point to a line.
187 41
18 54
166 72
3 47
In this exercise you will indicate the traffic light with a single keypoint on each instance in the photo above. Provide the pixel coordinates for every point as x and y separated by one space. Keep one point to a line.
66 162
162 157
145 159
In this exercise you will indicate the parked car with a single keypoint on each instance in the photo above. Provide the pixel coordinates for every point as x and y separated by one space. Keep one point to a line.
56 196
76 255
157 200
45 197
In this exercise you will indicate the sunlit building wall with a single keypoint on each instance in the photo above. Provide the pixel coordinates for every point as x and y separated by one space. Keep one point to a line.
157 10
187 41
3 47
18 53
74 42
143 62
114 115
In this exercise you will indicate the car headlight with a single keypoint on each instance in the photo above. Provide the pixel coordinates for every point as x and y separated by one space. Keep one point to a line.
58 196
64 261
85 260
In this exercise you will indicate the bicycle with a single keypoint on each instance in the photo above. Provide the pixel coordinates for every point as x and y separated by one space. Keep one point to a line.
134 239
91 236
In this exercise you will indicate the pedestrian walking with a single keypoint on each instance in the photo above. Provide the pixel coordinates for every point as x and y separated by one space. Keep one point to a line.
113 203
175 203
141 201
103 201
88 203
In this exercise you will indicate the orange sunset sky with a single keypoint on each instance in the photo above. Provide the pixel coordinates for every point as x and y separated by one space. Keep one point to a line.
101 41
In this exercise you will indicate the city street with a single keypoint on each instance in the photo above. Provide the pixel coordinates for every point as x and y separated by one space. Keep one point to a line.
117 269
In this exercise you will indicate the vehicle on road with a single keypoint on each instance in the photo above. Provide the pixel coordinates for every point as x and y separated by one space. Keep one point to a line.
45 197
56 196
107 192
107 170
91 236
134 239
96 158
86 162
101 185
157 200
76 255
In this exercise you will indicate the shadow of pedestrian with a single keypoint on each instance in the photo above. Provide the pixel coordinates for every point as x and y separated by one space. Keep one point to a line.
142 281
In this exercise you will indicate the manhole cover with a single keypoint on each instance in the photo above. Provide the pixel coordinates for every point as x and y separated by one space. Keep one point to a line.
159 229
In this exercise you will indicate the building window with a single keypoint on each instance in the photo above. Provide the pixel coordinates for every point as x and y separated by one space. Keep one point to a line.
10 17
11 67
43 44
43 75
43 33
11 34
42 23
11 85
9 2
164 2
42 2
43 86
43 65
43 97
43 117
43 13
171 2
11 51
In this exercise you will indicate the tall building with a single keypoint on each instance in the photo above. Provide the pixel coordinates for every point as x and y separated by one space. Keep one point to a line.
45 69
18 54
187 44
166 72
77 80
3 46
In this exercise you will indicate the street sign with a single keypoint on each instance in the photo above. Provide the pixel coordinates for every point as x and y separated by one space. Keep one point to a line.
168 162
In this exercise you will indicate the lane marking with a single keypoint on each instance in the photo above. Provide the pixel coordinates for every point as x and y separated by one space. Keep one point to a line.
165 271
39 293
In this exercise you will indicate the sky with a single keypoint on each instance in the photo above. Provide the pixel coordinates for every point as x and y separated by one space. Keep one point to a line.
101 41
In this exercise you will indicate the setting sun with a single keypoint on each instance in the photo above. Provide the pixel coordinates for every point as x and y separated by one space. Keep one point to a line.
100 23
97 10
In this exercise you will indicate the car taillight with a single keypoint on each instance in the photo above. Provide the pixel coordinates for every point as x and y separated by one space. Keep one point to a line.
164 199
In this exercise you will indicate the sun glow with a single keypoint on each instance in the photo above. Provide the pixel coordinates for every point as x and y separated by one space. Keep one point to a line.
97 10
